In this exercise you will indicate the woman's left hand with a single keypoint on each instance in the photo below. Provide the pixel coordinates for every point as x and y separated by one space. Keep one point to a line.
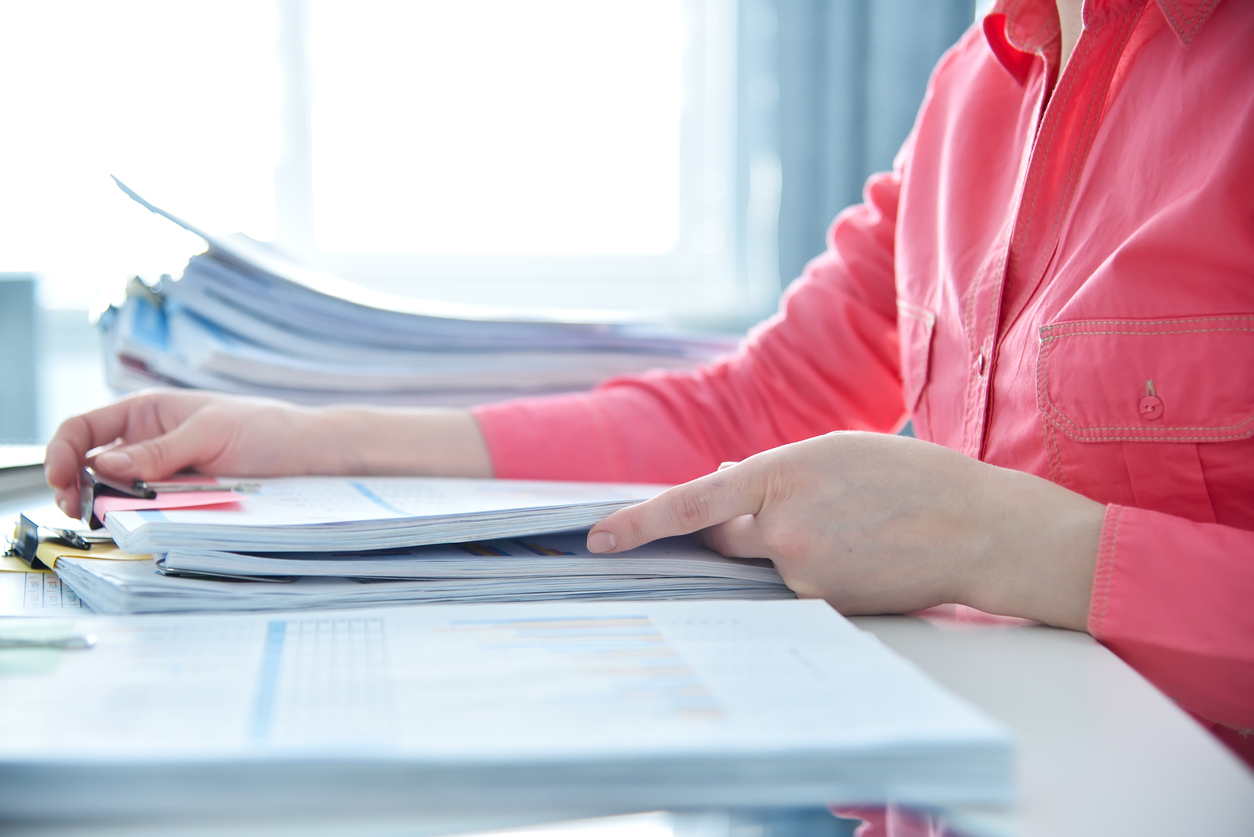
875 523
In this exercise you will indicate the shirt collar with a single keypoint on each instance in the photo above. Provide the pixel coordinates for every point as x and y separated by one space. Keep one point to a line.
1019 30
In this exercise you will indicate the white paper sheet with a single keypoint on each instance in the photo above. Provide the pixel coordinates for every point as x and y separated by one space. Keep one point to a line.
556 710
328 513
468 684
533 557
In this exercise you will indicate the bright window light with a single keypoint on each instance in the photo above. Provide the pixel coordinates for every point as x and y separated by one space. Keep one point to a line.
181 100
497 127
562 153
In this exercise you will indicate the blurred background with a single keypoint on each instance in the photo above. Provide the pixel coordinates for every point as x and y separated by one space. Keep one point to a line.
676 156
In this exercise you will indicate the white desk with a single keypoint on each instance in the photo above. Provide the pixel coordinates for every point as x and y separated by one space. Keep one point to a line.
1101 751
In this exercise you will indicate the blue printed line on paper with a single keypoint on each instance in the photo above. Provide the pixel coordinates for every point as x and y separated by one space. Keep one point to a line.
377 500
268 681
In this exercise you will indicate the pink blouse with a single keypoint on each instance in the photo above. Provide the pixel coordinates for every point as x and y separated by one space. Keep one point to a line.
1057 278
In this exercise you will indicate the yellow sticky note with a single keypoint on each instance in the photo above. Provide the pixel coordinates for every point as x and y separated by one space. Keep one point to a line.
12 564
50 552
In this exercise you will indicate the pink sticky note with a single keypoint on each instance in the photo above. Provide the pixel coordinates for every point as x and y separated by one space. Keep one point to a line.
168 500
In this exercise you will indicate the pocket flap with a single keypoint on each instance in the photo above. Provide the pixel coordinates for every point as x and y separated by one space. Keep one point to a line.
1171 380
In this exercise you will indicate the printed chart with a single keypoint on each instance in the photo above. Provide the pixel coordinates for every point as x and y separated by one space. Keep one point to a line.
36 594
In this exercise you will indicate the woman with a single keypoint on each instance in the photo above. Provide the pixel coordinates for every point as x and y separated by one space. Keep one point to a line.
1055 283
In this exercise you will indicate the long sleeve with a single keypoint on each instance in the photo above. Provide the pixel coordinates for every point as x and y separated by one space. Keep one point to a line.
1175 599
827 361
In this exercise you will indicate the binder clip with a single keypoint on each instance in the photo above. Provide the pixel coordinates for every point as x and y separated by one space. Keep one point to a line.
24 543
91 485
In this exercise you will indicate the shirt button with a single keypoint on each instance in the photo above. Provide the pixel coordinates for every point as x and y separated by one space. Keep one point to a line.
979 365
1151 407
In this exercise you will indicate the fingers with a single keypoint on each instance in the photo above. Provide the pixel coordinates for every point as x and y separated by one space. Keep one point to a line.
681 510
67 452
190 443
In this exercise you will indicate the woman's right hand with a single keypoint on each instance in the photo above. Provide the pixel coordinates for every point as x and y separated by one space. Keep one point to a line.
154 434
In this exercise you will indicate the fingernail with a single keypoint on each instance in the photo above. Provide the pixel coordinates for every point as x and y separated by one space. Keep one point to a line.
601 542
64 506
723 465
114 461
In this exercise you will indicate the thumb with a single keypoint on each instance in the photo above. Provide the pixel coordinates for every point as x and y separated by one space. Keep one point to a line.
153 459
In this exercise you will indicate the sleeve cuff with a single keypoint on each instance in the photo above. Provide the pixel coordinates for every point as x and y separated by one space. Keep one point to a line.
1171 597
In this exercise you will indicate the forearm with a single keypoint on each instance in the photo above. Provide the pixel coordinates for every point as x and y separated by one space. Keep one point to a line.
380 441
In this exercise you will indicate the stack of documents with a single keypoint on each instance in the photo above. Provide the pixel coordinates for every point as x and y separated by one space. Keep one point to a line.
554 710
671 572
320 514
243 319
306 542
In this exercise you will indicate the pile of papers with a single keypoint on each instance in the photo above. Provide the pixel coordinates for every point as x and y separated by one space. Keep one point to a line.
318 542
553 710
677 571
244 319
320 514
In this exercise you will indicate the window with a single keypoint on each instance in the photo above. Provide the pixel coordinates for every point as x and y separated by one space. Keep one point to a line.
548 152
553 152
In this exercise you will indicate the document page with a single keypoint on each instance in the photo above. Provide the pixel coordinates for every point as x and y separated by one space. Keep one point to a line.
36 594
310 513
499 684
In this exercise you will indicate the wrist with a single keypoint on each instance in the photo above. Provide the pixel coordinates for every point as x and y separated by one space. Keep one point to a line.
410 442
327 440
1039 555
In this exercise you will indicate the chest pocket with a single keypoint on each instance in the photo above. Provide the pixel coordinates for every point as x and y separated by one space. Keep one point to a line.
1164 408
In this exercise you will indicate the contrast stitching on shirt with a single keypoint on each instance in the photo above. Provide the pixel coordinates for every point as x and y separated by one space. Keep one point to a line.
1170 321
1055 454
1088 130
1056 416
1194 23
1108 561
1179 13
1021 232
1152 430
970 326
1098 605
916 312
1054 338
1165 439
1097 602
966 416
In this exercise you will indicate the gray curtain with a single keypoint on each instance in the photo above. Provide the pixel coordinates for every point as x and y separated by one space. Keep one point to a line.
828 91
